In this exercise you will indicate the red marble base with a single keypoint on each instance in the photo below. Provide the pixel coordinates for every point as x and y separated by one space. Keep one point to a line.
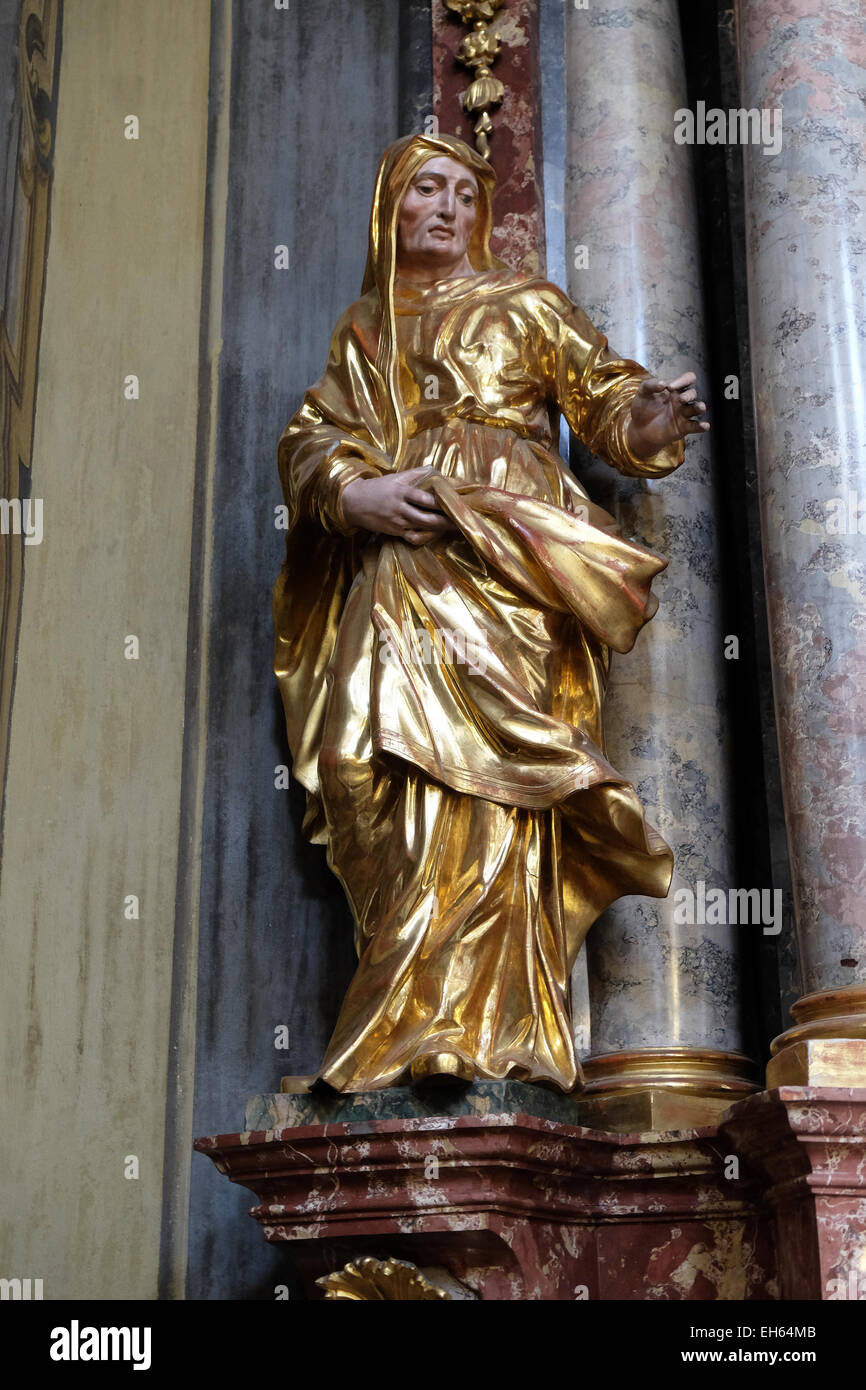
808 1144
512 1206
770 1204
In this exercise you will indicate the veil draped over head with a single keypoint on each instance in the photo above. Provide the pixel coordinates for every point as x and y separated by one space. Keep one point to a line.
397 167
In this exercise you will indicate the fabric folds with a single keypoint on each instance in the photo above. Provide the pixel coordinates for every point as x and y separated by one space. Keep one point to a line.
444 702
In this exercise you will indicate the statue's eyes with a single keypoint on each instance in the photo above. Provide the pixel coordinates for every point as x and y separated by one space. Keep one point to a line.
427 188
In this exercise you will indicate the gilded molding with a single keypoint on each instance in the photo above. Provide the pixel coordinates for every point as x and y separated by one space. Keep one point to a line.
478 52
690 1070
22 279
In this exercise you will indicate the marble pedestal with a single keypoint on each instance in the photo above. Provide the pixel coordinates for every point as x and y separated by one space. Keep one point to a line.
808 1145
497 1187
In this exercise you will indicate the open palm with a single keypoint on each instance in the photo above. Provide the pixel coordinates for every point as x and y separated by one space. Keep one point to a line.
664 411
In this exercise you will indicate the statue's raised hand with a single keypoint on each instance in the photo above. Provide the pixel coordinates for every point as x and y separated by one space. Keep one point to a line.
396 506
662 412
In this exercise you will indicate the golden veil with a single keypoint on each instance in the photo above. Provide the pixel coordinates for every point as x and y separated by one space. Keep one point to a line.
397 167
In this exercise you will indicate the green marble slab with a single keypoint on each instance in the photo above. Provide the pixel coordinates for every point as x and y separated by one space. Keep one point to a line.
293 1110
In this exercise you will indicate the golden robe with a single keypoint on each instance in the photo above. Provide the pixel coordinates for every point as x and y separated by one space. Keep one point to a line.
466 804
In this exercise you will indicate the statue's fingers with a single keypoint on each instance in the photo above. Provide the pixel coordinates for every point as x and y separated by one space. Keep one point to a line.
418 497
414 478
419 516
685 380
688 395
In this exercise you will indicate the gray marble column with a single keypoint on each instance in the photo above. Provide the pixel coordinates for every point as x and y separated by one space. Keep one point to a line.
664 996
806 214
416 66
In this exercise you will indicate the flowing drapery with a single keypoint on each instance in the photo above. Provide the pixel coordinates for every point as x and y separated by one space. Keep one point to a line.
444 702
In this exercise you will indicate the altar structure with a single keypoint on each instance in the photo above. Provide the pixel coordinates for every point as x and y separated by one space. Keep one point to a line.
683 1169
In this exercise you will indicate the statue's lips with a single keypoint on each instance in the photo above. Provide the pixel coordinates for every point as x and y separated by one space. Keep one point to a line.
441 231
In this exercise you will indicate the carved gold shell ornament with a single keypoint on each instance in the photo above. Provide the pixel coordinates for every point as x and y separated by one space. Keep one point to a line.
478 52
369 1280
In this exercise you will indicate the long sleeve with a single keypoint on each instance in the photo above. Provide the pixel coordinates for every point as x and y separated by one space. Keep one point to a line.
316 462
592 386
336 435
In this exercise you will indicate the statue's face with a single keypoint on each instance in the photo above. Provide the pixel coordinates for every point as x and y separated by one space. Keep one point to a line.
437 214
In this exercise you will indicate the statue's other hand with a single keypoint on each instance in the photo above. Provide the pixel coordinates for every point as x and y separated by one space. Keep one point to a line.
395 505
663 412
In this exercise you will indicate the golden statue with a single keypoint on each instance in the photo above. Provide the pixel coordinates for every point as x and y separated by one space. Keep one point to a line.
444 619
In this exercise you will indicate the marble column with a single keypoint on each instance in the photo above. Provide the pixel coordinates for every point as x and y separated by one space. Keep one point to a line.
665 1000
806 210
416 66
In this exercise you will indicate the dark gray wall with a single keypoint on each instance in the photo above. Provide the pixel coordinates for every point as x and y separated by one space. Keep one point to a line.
314 101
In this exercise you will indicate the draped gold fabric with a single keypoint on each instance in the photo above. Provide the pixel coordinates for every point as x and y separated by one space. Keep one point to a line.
444 703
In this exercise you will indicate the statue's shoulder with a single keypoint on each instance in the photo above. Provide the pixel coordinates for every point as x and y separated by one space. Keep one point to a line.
532 289
359 322
361 314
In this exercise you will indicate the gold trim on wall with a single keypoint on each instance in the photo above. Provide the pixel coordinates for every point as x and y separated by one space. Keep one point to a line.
22 281
478 52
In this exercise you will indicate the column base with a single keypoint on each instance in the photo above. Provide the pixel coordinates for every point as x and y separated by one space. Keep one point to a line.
651 1110
827 1044
819 1062
662 1089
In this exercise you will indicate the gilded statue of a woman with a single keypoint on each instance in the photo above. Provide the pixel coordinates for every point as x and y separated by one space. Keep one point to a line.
444 620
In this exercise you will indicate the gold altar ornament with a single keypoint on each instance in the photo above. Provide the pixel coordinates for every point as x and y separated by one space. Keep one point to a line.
444 620
477 52
369 1280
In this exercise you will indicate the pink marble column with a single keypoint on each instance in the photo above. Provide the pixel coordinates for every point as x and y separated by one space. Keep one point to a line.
665 994
805 61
